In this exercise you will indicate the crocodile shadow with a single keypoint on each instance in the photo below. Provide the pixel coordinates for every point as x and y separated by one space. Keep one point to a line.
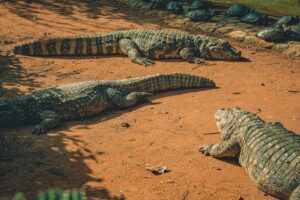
115 113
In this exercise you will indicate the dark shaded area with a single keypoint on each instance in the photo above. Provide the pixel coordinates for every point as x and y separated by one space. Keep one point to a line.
13 74
38 10
231 160
63 7
31 163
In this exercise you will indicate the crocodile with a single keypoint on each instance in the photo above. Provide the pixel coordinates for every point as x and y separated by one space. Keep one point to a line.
268 152
140 45
51 106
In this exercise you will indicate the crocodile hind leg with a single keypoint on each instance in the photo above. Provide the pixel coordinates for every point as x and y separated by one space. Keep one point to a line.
187 54
120 100
228 148
129 48
295 194
50 119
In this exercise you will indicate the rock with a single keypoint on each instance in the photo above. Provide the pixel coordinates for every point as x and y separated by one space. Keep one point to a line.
172 16
265 44
125 124
158 170
176 22
170 181
161 13
238 35
280 46
225 29
207 27
252 40
233 20
293 50
293 91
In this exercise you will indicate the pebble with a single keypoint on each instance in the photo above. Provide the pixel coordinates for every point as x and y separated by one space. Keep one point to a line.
225 29
238 35
125 124
293 50
170 181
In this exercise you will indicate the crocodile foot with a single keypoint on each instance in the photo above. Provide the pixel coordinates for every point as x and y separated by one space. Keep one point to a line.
205 149
144 97
144 61
39 129
199 60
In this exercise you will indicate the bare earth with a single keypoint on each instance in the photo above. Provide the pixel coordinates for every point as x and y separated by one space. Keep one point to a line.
108 159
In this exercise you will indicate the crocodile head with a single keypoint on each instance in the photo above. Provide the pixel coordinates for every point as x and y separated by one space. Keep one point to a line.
219 50
225 119
6 114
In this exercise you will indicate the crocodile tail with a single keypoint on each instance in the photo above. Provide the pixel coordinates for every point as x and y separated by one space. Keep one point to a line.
161 82
102 44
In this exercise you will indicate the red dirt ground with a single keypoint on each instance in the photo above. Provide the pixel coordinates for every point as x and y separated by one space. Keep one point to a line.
108 159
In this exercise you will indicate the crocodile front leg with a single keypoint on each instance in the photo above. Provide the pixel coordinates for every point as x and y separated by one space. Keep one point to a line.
295 194
188 54
121 100
129 48
228 148
50 119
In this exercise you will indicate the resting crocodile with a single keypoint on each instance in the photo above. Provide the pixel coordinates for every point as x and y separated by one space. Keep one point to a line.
269 152
79 100
141 46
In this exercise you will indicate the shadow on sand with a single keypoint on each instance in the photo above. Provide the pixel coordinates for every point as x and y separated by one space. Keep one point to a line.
13 75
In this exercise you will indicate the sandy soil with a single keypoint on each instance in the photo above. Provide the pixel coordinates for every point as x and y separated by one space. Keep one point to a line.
111 160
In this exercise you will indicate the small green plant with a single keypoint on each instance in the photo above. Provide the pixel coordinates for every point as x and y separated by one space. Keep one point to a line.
56 194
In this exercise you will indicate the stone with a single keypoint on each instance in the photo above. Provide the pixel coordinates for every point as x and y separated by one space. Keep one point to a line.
207 27
176 22
125 124
265 44
280 46
225 29
233 20
238 35
252 40
161 13
172 16
293 50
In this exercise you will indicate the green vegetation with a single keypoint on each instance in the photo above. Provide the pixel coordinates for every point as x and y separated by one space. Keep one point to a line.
56 194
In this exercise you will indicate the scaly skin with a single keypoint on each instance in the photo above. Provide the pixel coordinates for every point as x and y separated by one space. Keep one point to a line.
268 152
80 100
141 46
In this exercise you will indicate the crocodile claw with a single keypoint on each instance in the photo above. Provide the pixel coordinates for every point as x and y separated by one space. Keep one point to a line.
144 61
199 60
39 129
205 149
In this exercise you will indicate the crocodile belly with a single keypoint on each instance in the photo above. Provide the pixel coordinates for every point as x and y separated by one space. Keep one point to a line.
84 108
